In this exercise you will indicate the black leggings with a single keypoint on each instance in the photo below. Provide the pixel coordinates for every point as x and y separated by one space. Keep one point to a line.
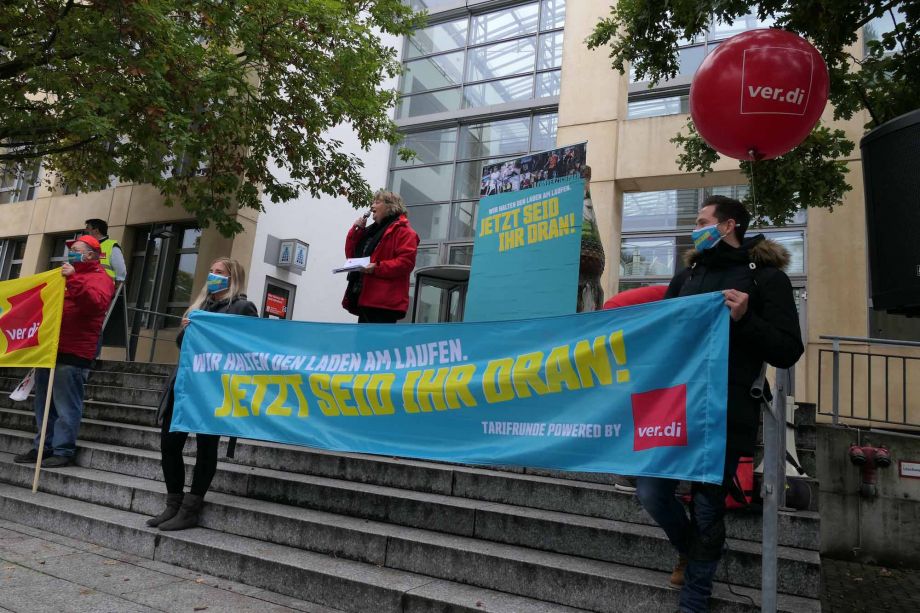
373 315
171 444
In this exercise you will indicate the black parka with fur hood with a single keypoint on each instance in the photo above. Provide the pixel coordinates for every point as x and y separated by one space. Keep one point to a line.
769 331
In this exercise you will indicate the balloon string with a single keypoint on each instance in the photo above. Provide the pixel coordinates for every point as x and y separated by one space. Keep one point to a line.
753 188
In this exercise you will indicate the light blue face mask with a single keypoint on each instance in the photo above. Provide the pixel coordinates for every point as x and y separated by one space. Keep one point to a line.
75 257
217 283
706 238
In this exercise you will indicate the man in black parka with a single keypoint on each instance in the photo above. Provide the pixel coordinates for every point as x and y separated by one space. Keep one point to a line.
764 328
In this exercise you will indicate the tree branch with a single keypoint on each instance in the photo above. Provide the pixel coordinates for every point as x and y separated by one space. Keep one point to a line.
37 154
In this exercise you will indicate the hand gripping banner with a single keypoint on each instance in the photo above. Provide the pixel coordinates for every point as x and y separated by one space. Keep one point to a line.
636 391
30 320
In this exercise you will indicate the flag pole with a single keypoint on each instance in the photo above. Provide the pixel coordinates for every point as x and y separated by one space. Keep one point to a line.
41 442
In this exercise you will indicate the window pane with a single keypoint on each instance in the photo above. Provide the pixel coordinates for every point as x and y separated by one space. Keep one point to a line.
190 239
461 254
463 222
134 280
19 249
652 257
426 256
183 276
433 73
544 132
647 257
738 192
430 221
721 30
505 137
550 51
429 147
795 243
497 92
553 14
15 270
430 5
663 210
426 104
658 107
427 184
690 59
504 24
548 84
429 304
440 37
501 60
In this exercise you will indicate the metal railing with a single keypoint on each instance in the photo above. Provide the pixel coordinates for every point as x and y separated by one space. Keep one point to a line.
773 486
150 321
895 373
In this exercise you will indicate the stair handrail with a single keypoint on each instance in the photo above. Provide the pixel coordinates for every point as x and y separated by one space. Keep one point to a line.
773 487
835 369
155 328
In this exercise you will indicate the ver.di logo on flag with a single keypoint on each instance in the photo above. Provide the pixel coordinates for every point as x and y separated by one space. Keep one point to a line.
21 323
660 418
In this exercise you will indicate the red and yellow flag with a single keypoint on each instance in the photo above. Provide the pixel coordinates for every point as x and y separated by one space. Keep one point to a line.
30 319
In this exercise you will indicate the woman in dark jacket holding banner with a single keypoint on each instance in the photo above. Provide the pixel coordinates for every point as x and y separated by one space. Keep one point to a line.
379 293
221 294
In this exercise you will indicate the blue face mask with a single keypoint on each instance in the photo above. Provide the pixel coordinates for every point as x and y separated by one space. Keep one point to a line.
217 283
75 257
706 238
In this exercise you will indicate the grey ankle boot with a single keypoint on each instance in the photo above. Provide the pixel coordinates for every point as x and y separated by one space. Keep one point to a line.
187 517
173 502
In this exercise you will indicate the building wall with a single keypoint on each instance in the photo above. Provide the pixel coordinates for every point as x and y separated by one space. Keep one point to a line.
321 223
125 207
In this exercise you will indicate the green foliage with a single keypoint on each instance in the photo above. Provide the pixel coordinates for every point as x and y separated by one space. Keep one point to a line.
885 80
811 175
199 98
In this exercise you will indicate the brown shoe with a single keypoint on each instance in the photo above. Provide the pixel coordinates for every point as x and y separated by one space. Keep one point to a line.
677 575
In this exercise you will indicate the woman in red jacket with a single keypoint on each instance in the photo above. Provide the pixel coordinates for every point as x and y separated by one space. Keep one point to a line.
379 293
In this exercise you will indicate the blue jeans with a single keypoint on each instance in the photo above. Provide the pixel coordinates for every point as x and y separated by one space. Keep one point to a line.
700 537
66 408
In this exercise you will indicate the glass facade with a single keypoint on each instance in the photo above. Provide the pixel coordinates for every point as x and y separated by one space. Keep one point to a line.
671 97
19 186
453 67
12 252
656 234
482 59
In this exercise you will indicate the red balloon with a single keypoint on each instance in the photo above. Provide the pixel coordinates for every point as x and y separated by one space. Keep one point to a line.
759 94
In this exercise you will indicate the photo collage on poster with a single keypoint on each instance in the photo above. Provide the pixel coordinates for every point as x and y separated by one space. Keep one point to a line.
529 170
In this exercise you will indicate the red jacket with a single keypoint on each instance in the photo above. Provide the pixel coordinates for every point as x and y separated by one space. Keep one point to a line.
86 299
388 286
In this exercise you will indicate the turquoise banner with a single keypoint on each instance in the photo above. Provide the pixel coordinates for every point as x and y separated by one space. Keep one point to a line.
637 391
526 253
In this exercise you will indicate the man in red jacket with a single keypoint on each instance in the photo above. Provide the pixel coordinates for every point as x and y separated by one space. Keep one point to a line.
88 294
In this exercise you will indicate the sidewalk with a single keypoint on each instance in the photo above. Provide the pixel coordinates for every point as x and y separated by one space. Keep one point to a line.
852 587
42 572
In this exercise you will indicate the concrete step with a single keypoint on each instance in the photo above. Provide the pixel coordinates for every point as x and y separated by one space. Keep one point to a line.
515 527
92 409
130 380
358 586
620 542
342 584
105 393
143 368
797 529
